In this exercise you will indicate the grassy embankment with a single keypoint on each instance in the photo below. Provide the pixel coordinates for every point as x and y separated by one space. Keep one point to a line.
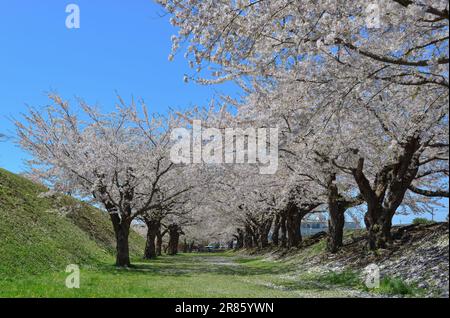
40 236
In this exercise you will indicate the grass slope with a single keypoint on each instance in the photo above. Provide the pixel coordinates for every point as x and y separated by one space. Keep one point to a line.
40 234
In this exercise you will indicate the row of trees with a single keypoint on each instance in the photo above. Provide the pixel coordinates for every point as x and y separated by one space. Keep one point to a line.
119 160
362 114
359 91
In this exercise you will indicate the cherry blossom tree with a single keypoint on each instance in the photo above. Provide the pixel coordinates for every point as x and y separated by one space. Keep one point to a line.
117 160
257 38
372 92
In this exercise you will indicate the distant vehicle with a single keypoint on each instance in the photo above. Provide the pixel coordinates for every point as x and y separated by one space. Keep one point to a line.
211 247
214 248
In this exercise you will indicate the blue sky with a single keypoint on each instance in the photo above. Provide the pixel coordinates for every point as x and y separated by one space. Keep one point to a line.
121 45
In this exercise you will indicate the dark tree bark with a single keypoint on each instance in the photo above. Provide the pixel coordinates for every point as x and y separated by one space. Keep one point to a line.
174 237
191 247
248 237
374 200
336 221
255 236
283 228
293 223
153 227
239 239
336 229
159 241
294 217
121 215
276 230
430 193
264 230
185 246
388 191
122 231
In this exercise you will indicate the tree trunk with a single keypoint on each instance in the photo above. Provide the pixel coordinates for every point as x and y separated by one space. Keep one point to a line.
150 247
336 230
174 237
283 238
248 237
263 238
185 246
158 244
191 247
388 191
293 223
121 231
255 237
380 232
159 241
379 223
276 230
172 248
373 199
374 237
264 230
366 221
336 221
239 239
385 237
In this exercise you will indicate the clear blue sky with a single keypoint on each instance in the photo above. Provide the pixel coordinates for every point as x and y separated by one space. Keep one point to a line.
121 45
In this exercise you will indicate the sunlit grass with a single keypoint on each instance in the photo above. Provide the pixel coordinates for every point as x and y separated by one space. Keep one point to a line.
180 276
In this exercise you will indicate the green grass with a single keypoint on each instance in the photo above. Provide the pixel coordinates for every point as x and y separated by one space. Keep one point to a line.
194 275
396 286
187 275
347 278
319 247
388 285
44 234
309 252
40 236
183 275
248 260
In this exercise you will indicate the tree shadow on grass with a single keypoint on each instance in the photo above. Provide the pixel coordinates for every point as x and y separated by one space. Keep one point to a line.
197 265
